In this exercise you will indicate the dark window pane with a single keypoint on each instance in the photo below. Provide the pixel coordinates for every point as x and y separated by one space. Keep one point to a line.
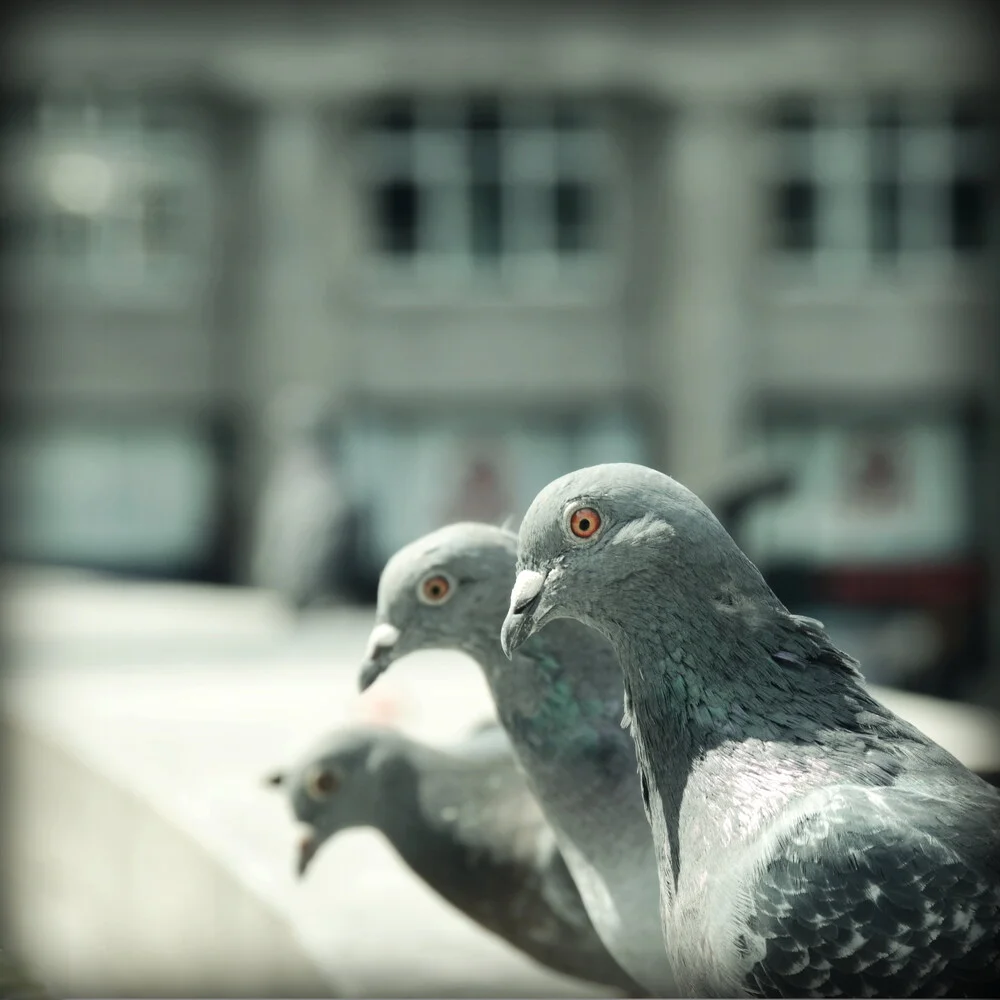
483 115
884 204
794 115
573 208
483 135
487 211
397 212
394 115
971 114
885 114
794 208
969 211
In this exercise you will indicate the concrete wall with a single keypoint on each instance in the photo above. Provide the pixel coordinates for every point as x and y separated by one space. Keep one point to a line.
673 50
114 899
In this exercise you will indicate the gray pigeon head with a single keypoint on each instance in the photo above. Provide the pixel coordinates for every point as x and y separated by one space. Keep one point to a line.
447 590
338 785
592 538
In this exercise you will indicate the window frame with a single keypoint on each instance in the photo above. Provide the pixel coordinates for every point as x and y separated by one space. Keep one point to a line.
529 168
837 157
178 159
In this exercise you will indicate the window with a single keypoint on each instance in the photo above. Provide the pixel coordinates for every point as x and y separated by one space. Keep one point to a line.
795 196
878 488
106 190
483 187
880 180
111 496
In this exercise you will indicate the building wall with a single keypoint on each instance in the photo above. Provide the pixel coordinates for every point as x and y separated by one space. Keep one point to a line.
696 323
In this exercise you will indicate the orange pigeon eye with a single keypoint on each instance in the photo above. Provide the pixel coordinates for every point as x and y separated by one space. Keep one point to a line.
435 589
584 522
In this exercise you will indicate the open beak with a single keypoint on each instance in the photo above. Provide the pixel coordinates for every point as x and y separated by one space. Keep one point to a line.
378 655
308 846
520 623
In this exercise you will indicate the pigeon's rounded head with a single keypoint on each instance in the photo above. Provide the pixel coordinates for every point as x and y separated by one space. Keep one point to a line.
446 590
338 786
604 538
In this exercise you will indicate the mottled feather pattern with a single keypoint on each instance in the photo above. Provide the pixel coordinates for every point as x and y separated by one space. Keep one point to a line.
857 900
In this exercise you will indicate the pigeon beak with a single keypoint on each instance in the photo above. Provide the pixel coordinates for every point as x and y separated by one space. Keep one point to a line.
520 623
308 846
378 656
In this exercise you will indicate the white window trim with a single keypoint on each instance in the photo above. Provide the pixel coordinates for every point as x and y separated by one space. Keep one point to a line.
841 170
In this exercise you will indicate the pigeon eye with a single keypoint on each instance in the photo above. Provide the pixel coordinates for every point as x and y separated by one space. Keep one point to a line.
585 522
321 784
434 589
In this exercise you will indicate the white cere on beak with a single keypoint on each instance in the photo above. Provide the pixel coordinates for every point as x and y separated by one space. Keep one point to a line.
527 587
383 636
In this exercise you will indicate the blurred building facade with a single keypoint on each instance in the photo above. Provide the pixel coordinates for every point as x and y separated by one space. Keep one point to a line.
506 240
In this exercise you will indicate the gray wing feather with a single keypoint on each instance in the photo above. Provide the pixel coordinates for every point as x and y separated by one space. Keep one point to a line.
857 900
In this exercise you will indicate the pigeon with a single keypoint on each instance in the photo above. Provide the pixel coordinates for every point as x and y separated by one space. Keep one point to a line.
561 705
302 522
463 820
810 843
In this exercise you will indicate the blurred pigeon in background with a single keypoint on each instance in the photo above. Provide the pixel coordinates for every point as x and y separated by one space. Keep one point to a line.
302 533
463 819
810 842
745 483
561 704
